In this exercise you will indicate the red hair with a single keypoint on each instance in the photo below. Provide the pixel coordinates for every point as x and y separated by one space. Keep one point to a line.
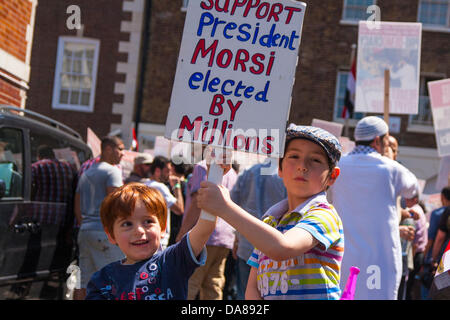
121 202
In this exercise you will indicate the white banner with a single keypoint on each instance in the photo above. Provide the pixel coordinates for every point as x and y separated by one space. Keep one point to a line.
235 74
394 46
439 92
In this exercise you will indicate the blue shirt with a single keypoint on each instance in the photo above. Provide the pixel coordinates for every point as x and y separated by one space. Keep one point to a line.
92 188
164 276
435 217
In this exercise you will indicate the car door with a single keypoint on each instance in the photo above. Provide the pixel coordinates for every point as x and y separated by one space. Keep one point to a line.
14 217
53 181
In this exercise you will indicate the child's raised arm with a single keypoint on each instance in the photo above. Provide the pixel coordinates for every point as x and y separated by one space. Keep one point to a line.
200 233
276 245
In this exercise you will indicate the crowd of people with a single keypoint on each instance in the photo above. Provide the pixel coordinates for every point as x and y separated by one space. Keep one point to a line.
284 229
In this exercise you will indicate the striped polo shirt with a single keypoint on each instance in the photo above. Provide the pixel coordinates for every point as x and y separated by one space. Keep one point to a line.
314 274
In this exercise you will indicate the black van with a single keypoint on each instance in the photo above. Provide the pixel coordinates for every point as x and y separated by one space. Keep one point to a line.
37 240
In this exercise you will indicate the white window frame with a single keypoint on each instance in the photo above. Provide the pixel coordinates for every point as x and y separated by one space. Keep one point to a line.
347 21
433 27
59 64
184 5
423 128
350 121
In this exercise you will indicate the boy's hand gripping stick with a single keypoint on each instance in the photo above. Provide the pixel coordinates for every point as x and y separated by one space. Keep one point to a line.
215 175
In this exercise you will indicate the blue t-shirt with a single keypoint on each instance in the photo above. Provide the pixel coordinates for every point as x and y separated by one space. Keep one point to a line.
92 188
164 276
433 228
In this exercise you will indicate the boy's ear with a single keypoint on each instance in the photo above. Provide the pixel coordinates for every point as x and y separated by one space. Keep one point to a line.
110 237
334 175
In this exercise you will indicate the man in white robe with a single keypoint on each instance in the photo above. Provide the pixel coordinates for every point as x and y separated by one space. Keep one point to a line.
365 198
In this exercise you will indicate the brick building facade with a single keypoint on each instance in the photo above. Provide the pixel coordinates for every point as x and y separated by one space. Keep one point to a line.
107 101
329 31
16 37
85 63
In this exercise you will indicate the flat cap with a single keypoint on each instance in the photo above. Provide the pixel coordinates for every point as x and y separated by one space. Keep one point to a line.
320 136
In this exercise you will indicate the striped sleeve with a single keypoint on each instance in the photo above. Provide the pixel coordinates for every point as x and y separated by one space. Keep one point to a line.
323 224
253 260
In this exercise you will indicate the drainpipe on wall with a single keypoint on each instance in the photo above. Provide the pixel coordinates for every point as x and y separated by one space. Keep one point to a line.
144 58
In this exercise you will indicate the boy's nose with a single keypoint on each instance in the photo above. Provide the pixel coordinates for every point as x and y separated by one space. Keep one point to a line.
140 229
302 167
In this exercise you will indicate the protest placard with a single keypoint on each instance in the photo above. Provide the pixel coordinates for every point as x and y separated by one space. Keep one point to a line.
93 142
443 179
347 144
162 147
235 74
127 162
332 127
439 92
432 201
393 46
67 154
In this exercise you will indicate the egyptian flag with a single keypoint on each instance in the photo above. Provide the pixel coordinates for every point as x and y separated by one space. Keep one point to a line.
440 289
134 143
347 111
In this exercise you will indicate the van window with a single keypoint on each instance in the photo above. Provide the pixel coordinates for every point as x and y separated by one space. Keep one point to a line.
62 150
52 175
11 161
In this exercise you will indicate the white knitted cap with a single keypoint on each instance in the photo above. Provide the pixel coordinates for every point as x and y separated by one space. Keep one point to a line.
369 128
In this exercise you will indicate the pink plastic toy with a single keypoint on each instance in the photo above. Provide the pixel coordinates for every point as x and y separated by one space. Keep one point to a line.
349 291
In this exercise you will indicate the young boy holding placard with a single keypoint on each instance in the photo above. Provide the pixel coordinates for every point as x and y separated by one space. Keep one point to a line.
134 218
300 242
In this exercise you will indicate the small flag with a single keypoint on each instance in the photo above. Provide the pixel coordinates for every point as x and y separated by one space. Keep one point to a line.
134 143
440 288
444 265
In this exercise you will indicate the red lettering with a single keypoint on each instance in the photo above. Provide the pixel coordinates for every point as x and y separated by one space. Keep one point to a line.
236 4
264 5
255 58
241 61
186 124
207 7
229 132
139 293
255 145
213 130
205 129
233 108
217 101
270 64
291 12
267 147
235 142
225 58
220 56
274 14
222 131
249 6
204 52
